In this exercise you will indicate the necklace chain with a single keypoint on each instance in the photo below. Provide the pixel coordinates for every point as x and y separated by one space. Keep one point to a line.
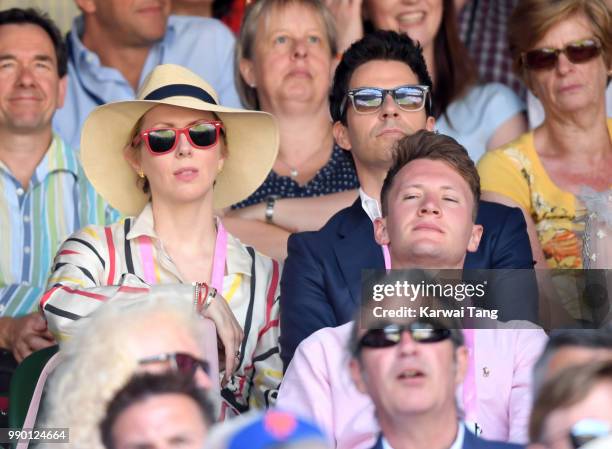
293 171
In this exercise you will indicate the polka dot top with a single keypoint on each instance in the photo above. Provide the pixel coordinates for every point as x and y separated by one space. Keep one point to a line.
337 175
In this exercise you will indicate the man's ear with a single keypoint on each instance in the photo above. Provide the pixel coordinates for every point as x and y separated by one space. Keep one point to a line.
86 6
475 237
247 71
430 123
61 91
358 376
341 135
380 231
462 360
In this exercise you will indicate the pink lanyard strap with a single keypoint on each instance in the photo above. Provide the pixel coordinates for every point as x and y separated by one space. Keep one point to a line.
148 261
386 256
470 405
218 270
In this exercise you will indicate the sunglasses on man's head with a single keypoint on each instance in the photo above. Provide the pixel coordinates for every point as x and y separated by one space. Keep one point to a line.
577 53
201 135
420 331
182 362
367 100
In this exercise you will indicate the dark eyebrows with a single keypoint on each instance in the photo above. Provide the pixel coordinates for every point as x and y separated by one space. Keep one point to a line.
45 58
39 57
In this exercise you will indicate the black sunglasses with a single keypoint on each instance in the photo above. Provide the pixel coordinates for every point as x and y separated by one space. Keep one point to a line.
420 331
577 52
179 361
367 100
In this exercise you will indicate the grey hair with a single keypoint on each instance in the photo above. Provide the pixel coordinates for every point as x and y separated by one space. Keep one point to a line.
559 339
100 359
245 44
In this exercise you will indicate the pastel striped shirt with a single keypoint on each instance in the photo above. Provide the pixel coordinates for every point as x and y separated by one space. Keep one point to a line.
35 221
115 263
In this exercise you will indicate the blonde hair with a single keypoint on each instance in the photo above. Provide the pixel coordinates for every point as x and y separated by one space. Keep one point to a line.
98 361
531 20
245 44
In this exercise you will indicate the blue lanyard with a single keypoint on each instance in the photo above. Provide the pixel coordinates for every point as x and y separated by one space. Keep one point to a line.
70 48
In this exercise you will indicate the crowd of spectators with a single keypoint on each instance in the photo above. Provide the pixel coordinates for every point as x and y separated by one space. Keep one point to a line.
196 195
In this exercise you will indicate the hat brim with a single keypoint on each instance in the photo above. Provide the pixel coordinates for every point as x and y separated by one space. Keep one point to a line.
252 144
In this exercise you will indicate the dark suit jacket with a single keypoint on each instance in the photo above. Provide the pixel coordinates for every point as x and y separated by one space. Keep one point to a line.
321 281
470 441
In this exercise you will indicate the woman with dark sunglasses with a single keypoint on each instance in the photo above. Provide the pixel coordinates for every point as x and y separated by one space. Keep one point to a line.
479 116
167 160
563 51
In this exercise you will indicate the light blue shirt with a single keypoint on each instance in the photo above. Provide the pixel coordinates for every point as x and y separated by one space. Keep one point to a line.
34 222
473 119
204 46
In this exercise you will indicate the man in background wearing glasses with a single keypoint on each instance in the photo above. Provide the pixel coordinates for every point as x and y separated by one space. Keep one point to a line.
381 93
429 200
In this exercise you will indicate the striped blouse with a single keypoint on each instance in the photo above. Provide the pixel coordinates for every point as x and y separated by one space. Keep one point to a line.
35 221
113 263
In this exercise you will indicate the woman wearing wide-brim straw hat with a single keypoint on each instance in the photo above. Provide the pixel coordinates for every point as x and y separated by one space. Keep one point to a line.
169 159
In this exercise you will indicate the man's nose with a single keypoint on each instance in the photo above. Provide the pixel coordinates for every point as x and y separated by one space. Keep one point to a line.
389 106
407 345
25 77
429 206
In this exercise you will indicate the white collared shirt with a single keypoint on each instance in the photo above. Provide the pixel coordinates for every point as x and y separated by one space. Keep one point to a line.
370 205
457 444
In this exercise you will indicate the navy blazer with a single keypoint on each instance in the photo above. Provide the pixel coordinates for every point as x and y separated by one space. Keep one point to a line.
321 280
470 441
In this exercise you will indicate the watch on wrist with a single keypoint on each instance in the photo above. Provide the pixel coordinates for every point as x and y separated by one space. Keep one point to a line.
270 203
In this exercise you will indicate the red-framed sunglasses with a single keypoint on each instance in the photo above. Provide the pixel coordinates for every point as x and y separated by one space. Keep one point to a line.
201 135
577 52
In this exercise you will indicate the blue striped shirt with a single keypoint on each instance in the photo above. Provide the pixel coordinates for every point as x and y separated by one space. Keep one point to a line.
35 221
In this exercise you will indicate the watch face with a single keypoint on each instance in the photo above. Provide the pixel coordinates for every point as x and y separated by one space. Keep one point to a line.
270 202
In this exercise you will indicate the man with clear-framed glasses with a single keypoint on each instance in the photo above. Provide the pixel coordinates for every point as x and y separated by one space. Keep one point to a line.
381 93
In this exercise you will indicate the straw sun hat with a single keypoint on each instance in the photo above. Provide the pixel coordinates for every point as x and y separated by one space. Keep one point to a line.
252 140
